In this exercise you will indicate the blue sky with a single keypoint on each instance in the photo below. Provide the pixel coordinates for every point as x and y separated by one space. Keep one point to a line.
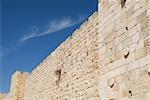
31 29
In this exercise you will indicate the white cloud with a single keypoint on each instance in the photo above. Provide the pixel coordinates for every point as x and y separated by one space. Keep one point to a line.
31 35
54 26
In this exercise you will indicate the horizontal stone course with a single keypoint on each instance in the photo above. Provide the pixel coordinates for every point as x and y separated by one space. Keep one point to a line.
106 58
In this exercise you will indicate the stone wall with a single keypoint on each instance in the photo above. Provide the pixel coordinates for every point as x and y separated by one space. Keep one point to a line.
107 58
124 50
68 73
18 83
17 90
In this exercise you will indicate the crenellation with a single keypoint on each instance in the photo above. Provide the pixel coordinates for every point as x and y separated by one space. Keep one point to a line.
106 58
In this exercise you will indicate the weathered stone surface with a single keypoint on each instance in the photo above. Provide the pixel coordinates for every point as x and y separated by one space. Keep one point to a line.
107 58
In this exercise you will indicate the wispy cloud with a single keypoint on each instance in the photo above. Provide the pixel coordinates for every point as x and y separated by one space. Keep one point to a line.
32 34
54 26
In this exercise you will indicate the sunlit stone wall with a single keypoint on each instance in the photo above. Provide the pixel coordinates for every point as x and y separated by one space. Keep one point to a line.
69 72
107 58
124 50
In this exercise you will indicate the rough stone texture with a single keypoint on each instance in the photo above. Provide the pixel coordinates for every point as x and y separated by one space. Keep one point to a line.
107 58
17 91
18 85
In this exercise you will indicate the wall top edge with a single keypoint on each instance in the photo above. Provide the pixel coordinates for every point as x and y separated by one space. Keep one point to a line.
84 24
21 72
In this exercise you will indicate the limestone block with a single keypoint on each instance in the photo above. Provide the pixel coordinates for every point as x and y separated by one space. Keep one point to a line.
140 53
93 59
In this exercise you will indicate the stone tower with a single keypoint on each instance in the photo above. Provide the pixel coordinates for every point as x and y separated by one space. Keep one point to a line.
18 85
107 58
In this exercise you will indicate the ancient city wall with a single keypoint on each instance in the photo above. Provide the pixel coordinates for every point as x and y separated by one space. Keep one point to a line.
17 90
68 73
107 58
18 83
124 38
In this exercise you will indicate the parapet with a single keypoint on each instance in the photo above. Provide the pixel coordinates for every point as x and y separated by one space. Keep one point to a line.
21 72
